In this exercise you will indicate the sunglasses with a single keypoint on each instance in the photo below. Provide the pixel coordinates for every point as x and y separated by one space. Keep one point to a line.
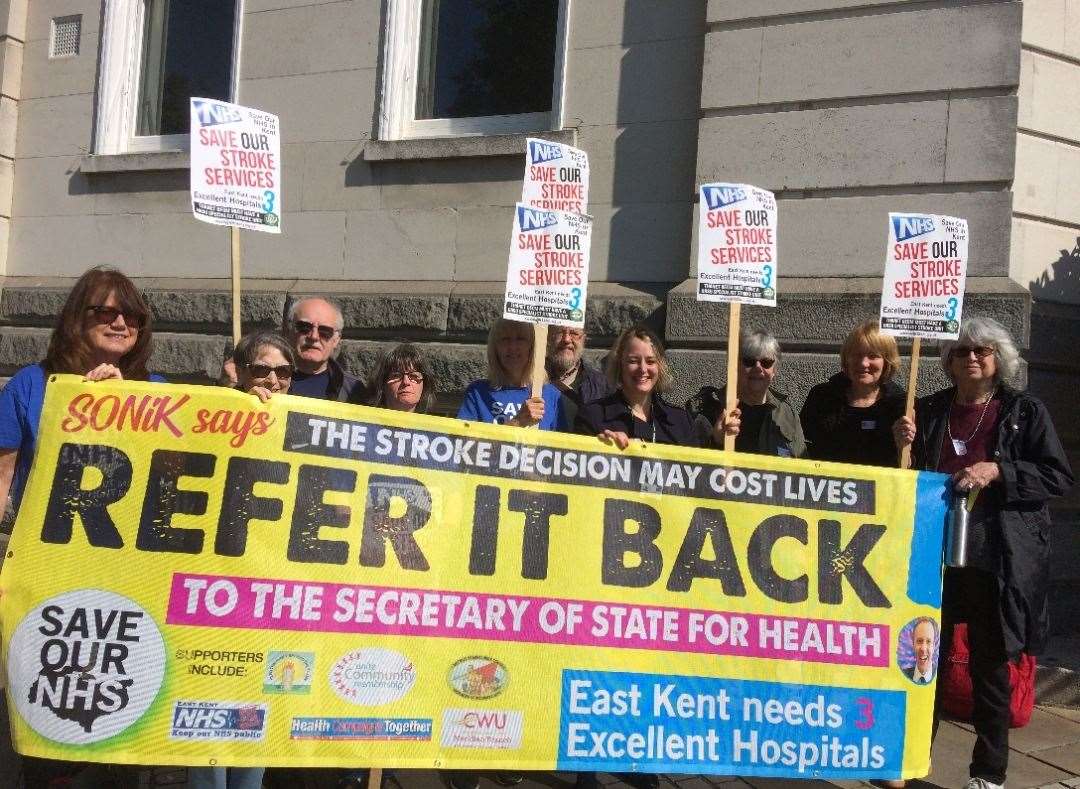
963 351
284 372
396 378
766 364
108 315
326 333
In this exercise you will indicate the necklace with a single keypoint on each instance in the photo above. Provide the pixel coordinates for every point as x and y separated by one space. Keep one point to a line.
960 446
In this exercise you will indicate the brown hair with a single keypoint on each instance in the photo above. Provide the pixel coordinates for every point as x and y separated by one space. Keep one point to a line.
497 374
867 336
69 351
405 358
664 382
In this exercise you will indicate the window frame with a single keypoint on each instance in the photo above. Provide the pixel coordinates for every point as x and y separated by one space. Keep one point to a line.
401 56
119 76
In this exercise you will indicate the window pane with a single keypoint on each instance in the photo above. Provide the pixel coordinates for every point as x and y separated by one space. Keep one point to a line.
187 51
486 57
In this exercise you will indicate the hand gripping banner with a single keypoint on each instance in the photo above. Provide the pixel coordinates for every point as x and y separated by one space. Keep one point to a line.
197 578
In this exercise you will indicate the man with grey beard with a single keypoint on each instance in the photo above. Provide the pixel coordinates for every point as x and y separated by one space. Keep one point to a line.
569 371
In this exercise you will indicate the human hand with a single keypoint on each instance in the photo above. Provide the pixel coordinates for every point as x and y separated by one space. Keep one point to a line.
616 437
727 424
104 372
903 431
261 392
532 411
976 477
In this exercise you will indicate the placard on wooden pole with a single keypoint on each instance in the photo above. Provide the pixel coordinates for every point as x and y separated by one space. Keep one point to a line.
234 231
909 409
539 357
734 319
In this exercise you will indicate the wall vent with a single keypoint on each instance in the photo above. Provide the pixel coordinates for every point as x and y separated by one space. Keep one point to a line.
66 32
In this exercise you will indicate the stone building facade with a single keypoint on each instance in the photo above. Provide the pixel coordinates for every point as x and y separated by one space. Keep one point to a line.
845 108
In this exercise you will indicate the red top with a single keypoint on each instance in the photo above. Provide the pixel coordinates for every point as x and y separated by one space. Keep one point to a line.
962 422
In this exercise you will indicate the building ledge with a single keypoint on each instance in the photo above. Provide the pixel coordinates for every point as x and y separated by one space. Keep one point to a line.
459 147
134 162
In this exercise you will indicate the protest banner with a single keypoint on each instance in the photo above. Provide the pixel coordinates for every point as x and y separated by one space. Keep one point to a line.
235 175
556 177
198 578
736 260
923 288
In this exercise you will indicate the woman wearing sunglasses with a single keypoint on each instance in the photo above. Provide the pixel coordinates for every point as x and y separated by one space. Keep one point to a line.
766 422
103 332
1000 446
849 418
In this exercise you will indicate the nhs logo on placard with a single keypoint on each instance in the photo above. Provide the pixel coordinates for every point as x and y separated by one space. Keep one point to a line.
907 227
532 219
210 113
721 196
544 151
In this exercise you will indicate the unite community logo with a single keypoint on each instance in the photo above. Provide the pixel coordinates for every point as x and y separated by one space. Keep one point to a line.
85 665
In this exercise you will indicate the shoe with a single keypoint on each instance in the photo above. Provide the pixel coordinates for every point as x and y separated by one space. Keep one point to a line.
508 779
464 779
586 781
359 781
982 783
881 783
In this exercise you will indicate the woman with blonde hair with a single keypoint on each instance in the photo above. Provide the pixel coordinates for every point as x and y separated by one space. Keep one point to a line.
849 418
504 397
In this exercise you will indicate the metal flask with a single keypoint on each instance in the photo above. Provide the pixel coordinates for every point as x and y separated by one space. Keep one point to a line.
956 538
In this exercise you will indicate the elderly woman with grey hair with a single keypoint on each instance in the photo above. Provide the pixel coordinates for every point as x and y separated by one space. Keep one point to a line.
999 445
765 421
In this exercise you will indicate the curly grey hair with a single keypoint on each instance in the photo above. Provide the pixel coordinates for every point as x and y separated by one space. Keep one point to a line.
986 331
759 345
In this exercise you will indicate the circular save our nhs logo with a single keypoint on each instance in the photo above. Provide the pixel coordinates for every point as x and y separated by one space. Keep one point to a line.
85 665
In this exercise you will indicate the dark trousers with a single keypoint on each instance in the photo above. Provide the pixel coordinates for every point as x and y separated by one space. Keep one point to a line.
972 596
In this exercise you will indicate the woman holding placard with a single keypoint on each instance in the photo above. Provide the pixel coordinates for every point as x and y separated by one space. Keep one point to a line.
503 398
1002 452
849 418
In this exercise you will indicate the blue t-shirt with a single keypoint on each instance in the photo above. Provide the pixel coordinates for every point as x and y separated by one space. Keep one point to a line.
499 404
20 412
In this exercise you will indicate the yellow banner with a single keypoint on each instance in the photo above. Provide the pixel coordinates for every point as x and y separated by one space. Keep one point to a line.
198 578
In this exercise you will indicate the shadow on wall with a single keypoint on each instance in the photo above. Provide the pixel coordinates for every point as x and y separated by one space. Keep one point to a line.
1061 284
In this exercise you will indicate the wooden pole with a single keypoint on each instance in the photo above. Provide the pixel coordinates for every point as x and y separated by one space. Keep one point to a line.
375 778
732 367
539 359
909 410
235 233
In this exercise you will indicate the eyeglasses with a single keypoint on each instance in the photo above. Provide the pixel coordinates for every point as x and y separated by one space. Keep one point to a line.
284 372
980 351
396 378
108 315
574 334
766 364
326 333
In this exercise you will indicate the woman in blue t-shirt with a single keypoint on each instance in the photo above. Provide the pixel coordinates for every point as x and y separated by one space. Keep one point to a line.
102 332
503 398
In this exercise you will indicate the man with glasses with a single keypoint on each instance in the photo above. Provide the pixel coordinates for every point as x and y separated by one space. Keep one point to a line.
313 326
569 371
768 423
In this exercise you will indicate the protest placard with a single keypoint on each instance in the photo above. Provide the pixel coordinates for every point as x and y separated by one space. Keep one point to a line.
547 278
556 177
925 276
737 244
198 578
235 166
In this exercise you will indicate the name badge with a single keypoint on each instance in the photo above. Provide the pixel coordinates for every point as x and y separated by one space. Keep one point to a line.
959 447
869 424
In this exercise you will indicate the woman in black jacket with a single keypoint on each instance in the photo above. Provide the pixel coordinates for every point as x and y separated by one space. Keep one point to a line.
999 445
849 418
639 371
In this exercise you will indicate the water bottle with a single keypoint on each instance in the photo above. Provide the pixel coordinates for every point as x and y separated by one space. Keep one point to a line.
956 538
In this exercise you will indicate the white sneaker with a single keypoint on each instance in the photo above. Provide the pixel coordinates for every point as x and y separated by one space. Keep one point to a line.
982 783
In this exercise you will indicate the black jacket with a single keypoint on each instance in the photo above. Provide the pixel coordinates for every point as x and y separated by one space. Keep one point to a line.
673 424
1034 469
343 387
832 434
781 434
